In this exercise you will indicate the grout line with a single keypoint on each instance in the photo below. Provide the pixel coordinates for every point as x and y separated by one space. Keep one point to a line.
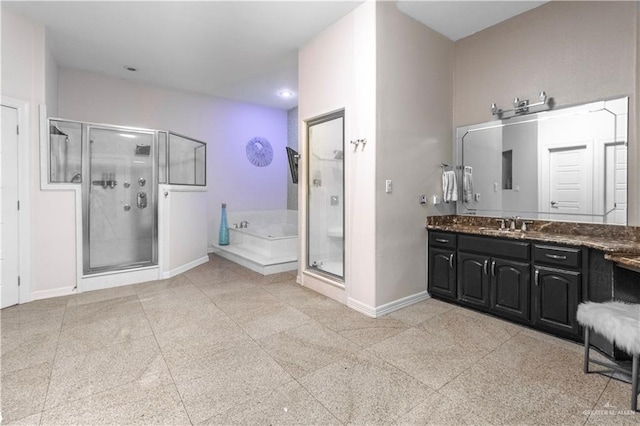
53 363
175 385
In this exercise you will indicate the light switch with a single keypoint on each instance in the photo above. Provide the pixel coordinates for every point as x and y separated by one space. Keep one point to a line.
388 187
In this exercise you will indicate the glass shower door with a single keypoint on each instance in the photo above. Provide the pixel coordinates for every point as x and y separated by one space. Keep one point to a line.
325 200
119 199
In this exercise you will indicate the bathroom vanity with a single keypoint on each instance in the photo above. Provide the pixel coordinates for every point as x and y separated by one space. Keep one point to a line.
536 277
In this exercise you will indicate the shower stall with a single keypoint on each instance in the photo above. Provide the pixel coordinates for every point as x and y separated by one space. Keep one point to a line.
118 170
119 199
325 196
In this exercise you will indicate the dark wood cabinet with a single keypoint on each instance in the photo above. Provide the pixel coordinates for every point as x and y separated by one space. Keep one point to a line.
501 285
442 265
539 285
556 294
557 288
442 273
510 289
473 279
494 274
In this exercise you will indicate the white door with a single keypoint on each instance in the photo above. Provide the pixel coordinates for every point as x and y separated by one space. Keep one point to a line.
570 183
616 184
9 261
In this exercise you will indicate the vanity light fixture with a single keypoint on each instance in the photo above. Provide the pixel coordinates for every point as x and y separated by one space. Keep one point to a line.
523 107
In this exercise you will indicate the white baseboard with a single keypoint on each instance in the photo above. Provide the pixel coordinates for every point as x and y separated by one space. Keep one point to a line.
54 292
363 308
118 278
184 268
387 308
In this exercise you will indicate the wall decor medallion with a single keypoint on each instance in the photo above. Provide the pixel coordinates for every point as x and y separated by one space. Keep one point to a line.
259 152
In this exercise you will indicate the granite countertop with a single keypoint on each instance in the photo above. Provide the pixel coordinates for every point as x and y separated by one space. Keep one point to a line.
622 243
627 260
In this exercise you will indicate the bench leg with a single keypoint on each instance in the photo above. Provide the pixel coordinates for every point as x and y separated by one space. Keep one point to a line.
634 383
586 350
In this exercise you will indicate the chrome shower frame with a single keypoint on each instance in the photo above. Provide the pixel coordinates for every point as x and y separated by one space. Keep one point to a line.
86 183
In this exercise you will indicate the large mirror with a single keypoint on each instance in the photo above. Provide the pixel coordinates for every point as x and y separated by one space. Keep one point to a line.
568 164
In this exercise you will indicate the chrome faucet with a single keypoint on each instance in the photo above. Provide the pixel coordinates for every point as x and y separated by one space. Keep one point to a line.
244 224
514 223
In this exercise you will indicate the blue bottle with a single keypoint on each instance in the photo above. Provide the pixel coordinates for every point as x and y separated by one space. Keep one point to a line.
223 235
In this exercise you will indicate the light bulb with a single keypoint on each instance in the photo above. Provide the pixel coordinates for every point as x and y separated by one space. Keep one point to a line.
542 97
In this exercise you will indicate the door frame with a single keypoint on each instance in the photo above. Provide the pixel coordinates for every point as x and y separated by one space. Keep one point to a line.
86 199
24 185
544 172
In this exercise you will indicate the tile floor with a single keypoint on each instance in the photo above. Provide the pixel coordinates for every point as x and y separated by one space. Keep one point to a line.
223 345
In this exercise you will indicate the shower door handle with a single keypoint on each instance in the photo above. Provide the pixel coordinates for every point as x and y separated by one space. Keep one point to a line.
142 200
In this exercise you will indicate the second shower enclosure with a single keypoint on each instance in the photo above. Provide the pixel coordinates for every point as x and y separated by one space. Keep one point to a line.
325 209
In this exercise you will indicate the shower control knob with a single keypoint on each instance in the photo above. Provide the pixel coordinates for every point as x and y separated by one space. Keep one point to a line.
142 181
127 207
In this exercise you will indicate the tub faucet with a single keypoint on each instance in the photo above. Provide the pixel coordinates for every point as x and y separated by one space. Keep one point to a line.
244 224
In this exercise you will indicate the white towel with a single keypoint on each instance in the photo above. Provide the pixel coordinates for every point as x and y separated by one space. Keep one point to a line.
467 185
449 186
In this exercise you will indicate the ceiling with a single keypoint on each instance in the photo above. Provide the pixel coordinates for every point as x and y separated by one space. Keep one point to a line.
234 49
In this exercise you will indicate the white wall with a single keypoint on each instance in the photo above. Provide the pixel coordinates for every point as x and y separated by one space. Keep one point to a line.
577 52
51 82
414 136
292 142
337 71
24 76
394 77
226 126
186 243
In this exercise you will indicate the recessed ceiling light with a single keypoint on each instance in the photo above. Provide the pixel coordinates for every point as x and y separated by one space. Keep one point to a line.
132 69
285 93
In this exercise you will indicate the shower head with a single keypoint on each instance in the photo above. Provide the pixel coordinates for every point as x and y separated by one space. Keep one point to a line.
55 131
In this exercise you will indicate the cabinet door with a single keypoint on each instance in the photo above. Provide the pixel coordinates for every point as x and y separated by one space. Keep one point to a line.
473 279
556 293
510 287
442 276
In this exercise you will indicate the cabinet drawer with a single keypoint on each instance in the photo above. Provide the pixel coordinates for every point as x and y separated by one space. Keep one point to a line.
442 239
494 247
558 256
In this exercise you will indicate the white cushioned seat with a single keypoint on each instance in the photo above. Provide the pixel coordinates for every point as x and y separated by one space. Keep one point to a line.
618 322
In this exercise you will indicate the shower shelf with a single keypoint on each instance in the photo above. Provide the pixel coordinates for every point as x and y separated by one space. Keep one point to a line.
335 232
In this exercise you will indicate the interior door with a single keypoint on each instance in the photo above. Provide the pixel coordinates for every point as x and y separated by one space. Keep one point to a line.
9 260
616 184
120 214
570 181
